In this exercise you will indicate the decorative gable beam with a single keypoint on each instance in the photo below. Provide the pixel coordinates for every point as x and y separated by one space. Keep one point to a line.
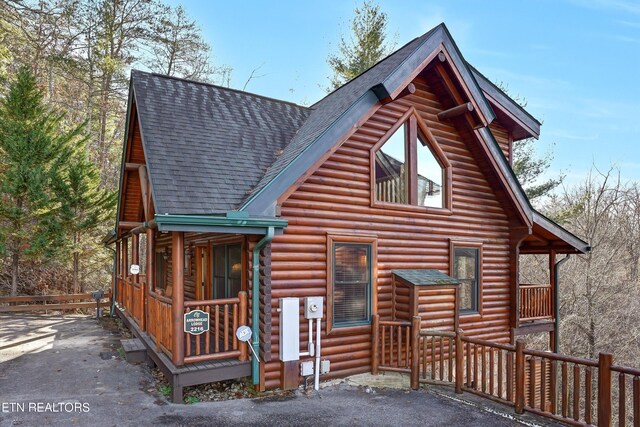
459 110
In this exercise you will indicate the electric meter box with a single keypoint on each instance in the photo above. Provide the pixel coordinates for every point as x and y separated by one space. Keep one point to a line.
313 307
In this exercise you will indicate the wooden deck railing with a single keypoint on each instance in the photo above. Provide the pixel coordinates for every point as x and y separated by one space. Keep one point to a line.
535 302
50 302
159 322
220 342
391 339
568 389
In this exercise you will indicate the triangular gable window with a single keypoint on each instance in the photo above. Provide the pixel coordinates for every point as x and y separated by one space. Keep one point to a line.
410 168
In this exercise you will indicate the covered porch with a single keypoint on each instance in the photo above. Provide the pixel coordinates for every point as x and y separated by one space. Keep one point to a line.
173 265
537 304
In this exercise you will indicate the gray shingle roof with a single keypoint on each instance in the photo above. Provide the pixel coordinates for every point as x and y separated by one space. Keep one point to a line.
206 146
327 110
425 277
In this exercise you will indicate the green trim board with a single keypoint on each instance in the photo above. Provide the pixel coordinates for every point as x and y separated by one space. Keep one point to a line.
232 222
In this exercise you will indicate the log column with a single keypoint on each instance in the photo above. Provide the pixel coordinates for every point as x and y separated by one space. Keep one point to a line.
135 255
116 272
553 284
177 304
151 270
125 273
518 234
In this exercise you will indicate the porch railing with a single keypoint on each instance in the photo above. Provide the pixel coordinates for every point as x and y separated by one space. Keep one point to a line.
220 342
572 390
159 322
535 302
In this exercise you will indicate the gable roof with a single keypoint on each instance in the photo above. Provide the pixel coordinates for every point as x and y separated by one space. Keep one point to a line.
206 147
334 115
211 150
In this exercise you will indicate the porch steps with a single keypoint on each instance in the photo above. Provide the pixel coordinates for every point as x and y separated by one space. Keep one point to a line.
134 350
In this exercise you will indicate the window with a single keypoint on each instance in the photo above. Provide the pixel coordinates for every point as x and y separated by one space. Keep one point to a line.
390 169
227 270
430 174
409 167
466 268
351 278
161 270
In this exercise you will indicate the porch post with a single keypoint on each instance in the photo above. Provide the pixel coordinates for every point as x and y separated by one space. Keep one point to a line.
552 283
151 270
177 304
125 273
116 291
135 255
518 234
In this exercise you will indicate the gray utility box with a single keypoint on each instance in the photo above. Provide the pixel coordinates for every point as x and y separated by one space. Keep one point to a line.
313 307
289 329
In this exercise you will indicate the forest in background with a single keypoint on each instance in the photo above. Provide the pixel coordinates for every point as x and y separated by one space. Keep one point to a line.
81 52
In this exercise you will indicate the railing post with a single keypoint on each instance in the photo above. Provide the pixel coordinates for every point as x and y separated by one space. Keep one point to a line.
519 402
605 360
375 336
242 307
415 352
177 306
459 361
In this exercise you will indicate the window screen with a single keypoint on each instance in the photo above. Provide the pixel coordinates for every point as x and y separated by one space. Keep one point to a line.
351 284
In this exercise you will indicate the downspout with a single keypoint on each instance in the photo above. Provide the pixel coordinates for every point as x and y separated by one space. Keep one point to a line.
255 303
556 303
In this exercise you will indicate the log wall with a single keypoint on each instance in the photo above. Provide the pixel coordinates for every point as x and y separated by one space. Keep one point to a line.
336 199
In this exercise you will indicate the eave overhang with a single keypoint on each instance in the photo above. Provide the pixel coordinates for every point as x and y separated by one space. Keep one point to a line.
232 222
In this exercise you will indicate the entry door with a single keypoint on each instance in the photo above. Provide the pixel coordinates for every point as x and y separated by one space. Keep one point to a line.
203 290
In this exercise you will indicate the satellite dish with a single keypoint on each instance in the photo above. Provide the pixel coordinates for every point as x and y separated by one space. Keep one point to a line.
243 333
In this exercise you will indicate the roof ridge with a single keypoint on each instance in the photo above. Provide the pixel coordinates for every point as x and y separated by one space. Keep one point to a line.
230 89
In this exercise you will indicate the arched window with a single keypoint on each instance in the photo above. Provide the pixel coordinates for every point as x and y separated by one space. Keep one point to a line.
409 167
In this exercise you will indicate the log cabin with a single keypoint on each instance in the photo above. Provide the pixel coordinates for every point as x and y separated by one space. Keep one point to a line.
392 198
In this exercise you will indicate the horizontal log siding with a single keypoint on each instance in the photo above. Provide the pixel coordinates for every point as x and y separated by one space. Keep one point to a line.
437 308
131 207
336 199
502 137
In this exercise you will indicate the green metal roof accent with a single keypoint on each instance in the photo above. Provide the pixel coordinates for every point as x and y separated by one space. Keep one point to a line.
228 220
425 277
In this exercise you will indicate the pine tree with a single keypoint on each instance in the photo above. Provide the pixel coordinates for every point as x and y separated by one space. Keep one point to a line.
364 48
83 207
32 145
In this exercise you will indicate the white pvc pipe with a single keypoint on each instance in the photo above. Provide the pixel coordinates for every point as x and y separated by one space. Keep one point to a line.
310 349
317 367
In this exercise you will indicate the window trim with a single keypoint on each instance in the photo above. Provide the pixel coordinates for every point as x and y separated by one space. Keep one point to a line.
372 241
474 244
416 127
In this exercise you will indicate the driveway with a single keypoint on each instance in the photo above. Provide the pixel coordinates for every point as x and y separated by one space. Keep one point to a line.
65 370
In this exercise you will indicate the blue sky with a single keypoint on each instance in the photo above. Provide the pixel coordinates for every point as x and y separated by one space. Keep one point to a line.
576 62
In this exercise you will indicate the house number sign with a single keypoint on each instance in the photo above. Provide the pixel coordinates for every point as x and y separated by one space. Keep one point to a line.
196 322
